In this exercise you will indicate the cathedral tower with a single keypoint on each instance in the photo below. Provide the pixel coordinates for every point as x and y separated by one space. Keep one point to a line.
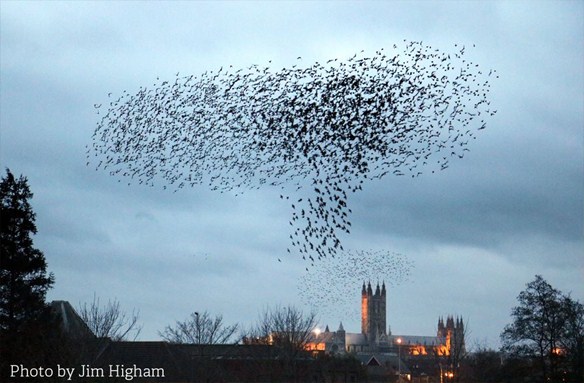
373 311
452 334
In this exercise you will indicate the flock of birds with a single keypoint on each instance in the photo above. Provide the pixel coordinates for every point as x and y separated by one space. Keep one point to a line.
322 129
333 285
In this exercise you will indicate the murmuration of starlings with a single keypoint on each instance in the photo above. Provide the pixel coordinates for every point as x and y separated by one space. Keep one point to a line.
318 131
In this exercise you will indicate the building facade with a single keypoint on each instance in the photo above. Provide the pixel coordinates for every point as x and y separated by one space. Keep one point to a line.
419 353
373 312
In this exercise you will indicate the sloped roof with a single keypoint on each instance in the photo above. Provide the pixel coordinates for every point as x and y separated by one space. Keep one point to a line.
179 361
146 355
70 321
368 360
382 359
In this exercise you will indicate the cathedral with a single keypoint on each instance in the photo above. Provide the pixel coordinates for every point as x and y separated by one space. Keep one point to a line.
376 342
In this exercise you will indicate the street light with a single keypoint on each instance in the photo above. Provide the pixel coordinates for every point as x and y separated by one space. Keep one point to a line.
398 340
198 325
315 346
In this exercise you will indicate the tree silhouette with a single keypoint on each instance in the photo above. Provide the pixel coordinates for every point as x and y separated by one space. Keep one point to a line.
200 328
321 130
24 280
547 326
110 321
288 330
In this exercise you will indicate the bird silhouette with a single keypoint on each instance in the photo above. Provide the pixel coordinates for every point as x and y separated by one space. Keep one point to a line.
319 130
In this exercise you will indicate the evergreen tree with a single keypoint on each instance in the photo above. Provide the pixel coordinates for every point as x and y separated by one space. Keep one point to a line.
23 270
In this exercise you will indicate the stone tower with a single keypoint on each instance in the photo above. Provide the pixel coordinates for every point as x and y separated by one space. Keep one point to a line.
373 311
341 337
452 334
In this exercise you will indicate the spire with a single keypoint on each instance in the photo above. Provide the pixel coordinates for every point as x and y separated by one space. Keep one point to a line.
326 329
383 288
377 292
341 327
369 289
364 290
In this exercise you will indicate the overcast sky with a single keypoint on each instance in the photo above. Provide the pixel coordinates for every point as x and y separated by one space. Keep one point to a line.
475 233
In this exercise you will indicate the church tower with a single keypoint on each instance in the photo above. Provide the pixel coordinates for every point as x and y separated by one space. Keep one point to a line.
452 334
373 312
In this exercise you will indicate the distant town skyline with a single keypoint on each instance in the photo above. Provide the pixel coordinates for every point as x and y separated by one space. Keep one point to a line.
473 234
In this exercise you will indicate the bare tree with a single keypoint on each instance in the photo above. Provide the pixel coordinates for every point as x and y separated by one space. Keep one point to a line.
449 360
483 364
200 328
110 321
548 328
458 352
572 339
288 328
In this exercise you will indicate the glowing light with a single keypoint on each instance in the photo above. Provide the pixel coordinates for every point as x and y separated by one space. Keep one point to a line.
317 331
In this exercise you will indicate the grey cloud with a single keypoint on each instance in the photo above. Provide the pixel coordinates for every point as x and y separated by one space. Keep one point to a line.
477 232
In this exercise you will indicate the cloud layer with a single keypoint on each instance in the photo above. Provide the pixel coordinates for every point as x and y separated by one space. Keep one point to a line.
476 232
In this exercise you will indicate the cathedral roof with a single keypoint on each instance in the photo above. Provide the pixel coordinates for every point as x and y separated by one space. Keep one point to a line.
323 337
416 339
356 338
